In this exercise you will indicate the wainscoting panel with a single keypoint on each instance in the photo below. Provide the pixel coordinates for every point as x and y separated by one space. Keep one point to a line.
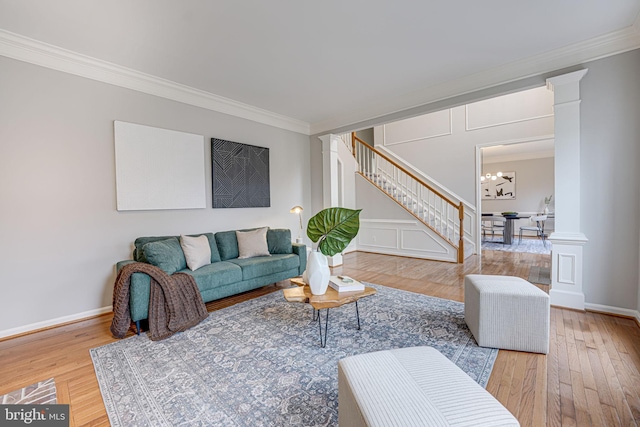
420 241
567 268
403 238
417 128
383 238
512 108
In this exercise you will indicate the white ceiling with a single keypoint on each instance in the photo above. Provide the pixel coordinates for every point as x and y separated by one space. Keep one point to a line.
325 64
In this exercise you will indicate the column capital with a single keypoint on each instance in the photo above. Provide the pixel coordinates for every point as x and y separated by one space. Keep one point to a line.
564 79
329 142
566 87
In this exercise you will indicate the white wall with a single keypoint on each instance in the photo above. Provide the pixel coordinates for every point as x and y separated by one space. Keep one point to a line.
442 144
61 233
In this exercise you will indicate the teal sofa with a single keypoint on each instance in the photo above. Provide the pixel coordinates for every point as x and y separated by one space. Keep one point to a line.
226 275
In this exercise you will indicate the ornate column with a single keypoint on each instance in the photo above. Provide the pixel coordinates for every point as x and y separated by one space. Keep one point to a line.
567 239
331 179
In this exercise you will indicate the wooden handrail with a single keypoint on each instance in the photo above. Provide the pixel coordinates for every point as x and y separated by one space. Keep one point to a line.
458 206
394 163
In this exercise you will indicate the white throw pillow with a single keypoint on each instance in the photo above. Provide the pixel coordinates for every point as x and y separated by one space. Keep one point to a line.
252 243
196 250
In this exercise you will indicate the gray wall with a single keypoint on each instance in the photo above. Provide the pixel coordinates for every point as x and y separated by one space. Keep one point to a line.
610 154
61 233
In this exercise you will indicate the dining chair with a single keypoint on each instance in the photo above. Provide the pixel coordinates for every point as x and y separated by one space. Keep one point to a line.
493 226
538 228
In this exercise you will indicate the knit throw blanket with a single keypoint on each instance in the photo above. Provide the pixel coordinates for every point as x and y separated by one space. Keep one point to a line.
175 303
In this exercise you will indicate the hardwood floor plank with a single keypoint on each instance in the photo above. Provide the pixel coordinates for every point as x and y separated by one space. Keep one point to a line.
585 366
591 374
583 418
525 410
567 409
540 392
517 383
553 413
506 381
493 386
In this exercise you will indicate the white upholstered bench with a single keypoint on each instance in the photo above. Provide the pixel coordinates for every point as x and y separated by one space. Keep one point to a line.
415 386
507 312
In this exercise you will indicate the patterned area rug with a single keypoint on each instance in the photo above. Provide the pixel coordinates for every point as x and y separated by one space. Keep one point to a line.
527 245
259 363
41 393
540 275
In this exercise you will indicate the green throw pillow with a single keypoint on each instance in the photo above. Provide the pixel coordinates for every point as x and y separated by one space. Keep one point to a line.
138 252
166 255
279 241
215 255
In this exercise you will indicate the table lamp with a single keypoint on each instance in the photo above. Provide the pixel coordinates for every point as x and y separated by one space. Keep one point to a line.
298 210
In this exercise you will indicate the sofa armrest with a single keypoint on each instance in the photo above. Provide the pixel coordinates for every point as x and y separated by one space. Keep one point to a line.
138 292
301 250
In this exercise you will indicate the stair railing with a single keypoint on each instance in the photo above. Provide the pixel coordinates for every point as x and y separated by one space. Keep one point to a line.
428 205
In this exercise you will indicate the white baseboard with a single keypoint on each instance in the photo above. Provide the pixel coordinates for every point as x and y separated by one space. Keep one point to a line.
626 312
54 322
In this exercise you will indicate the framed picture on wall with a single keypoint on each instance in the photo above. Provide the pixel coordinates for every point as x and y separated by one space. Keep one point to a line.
502 188
240 175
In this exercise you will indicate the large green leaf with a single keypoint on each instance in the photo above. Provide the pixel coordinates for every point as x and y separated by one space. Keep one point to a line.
333 229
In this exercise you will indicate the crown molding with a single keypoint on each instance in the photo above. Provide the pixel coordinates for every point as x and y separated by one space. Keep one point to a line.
39 53
25 49
590 50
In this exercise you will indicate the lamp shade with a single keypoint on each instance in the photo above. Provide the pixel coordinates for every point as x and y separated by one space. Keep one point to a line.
296 209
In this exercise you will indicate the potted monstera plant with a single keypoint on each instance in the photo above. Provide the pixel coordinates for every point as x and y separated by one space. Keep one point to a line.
332 229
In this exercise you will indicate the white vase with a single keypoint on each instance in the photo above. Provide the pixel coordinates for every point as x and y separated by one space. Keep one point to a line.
546 209
318 273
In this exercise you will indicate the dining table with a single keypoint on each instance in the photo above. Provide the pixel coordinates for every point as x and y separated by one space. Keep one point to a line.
507 236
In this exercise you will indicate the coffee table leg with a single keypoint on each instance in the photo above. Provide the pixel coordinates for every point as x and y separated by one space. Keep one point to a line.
358 314
326 328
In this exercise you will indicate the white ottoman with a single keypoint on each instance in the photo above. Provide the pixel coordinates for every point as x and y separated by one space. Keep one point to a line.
414 386
507 312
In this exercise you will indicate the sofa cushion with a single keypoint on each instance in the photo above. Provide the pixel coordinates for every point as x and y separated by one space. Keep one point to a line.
252 243
279 241
166 255
196 251
263 266
216 274
138 252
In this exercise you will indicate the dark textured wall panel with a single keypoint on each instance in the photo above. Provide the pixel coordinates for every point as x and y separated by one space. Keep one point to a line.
240 175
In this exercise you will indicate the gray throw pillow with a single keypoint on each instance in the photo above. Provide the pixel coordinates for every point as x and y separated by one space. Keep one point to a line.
196 250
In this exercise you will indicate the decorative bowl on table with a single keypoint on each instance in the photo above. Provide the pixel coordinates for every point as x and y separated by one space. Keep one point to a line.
509 214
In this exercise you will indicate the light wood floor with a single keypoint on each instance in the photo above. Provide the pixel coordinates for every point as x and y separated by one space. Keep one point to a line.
591 376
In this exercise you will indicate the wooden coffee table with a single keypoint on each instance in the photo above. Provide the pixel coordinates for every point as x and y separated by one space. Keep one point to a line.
330 299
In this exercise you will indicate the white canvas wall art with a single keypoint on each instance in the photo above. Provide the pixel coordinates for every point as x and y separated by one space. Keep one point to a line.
158 168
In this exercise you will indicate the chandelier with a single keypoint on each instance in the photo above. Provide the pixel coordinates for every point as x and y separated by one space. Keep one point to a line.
491 177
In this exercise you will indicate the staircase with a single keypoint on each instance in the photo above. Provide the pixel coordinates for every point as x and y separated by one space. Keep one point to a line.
436 211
